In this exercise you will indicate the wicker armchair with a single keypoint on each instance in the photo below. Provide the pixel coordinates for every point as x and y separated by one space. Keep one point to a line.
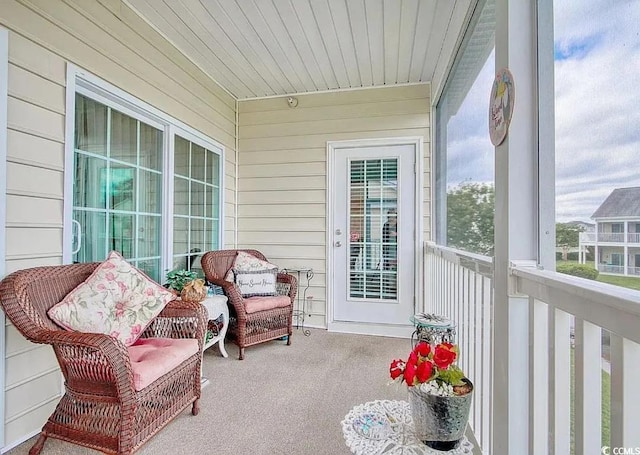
101 408
247 329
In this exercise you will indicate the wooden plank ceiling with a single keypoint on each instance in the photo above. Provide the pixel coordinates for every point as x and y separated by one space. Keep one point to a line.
259 48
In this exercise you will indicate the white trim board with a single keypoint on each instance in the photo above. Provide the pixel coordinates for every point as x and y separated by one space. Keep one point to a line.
332 147
4 93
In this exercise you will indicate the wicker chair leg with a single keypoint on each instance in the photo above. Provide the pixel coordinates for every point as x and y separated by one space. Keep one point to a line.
196 407
37 447
241 357
289 340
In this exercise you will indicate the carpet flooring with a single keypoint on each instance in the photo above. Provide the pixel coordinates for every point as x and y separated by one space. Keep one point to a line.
279 400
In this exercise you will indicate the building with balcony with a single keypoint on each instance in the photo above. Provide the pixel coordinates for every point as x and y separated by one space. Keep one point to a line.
616 238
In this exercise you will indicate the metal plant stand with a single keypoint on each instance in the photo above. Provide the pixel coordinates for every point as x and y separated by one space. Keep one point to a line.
301 298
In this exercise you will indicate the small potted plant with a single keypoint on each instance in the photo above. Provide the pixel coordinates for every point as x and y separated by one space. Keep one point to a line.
176 279
439 393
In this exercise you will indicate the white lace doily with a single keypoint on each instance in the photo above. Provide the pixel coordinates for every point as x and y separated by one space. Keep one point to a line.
386 427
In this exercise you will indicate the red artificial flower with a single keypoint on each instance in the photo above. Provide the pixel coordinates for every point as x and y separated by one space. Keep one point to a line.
444 355
424 371
396 369
410 373
413 358
422 349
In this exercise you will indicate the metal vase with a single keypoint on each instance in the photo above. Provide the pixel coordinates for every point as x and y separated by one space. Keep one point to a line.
440 422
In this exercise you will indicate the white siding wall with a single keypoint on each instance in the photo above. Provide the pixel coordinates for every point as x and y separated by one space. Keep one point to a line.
283 169
109 40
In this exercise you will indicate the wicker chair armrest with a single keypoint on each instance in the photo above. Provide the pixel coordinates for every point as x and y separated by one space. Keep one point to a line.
87 358
180 319
291 281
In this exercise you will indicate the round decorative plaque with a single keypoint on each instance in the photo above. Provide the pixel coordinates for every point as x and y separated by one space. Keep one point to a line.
501 106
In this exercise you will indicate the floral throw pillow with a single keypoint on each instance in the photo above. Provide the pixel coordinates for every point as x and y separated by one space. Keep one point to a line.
117 300
245 262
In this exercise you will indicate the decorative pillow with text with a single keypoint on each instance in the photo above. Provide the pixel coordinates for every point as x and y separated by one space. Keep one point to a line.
257 282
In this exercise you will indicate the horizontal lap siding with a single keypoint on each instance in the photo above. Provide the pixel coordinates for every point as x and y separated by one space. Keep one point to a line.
112 42
283 169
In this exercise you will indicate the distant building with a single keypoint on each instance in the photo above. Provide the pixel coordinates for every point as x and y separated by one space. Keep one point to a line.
616 237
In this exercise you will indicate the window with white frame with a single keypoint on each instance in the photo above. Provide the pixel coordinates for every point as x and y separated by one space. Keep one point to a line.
140 186
464 159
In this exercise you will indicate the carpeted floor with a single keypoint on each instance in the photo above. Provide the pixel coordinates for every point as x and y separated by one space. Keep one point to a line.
279 400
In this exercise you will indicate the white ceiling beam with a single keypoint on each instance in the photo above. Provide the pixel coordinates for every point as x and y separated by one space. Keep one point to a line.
408 33
218 42
375 29
297 35
426 17
322 15
342 25
358 19
444 10
264 27
239 22
211 65
391 16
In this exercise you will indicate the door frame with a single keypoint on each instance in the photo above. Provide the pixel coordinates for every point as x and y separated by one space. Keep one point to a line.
392 330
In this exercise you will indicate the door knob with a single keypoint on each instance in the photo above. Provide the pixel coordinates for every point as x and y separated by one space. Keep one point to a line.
338 244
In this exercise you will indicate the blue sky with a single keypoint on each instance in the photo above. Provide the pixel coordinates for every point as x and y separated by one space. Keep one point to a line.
597 85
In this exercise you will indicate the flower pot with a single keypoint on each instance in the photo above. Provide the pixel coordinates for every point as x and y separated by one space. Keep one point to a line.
440 422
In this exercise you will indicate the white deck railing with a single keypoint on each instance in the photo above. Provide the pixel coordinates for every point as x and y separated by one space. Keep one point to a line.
567 318
557 303
459 286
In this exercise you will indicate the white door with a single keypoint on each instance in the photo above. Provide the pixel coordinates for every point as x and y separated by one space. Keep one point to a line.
373 239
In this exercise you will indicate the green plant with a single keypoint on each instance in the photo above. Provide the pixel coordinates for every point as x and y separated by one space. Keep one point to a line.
176 279
579 270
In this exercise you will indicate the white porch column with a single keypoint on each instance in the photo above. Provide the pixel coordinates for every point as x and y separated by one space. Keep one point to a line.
517 222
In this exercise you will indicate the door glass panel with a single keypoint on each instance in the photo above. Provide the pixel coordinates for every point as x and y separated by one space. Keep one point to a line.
181 196
149 231
213 168
150 147
93 239
197 162
197 199
121 232
181 157
89 186
124 131
180 237
373 228
91 126
151 192
123 189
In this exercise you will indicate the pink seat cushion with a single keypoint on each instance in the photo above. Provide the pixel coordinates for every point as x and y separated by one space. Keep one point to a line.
255 304
152 358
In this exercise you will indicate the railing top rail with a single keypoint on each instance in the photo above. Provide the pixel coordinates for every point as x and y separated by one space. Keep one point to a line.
477 262
611 307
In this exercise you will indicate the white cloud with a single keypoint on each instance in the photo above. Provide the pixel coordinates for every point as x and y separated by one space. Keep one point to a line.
597 103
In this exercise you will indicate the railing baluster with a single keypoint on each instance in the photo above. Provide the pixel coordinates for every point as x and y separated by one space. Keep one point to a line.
625 394
560 379
539 384
588 387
